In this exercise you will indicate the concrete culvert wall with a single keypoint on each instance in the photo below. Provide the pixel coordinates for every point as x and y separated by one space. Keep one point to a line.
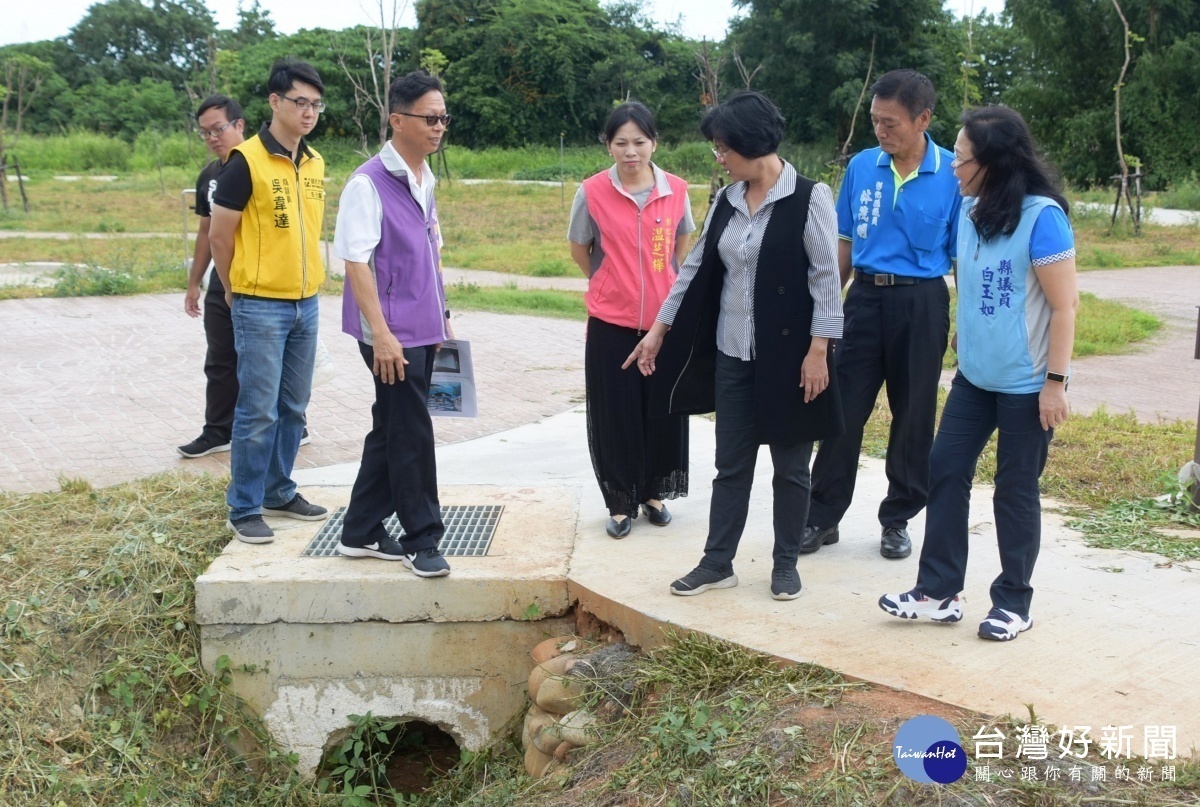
414 753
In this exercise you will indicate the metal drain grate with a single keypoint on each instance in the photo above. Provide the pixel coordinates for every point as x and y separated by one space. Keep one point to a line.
469 531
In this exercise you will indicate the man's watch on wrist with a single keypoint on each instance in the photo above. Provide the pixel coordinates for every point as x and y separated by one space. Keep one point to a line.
1060 378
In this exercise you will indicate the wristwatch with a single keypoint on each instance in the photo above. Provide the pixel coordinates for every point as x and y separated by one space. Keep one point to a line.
1061 378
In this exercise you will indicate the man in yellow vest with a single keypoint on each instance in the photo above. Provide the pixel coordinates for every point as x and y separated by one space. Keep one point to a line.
265 237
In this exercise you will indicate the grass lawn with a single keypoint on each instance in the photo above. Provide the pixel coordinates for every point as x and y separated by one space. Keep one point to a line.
505 228
105 703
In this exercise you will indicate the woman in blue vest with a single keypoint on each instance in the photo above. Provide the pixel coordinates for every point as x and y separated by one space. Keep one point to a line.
1016 328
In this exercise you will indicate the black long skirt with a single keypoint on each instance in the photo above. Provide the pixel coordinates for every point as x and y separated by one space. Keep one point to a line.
636 457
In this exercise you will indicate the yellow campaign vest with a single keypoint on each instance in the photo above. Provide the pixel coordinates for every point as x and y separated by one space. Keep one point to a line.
277 245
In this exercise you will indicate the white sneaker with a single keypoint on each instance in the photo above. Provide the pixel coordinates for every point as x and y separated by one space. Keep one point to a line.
913 604
1003 626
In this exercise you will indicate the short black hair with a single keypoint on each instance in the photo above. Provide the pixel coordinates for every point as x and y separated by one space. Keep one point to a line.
634 112
410 88
913 90
748 122
286 72
231 108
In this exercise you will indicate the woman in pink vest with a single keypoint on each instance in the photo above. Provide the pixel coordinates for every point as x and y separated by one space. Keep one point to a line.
628 224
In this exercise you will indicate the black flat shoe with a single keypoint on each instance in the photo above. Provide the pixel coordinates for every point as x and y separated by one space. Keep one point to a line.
660 517
619 529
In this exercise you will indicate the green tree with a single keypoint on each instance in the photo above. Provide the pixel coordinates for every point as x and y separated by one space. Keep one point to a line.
1076 48
814 56
1162 113
127 108
524 71
243 74
254 26
128 40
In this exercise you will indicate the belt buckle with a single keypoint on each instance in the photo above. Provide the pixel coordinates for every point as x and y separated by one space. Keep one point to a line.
885 280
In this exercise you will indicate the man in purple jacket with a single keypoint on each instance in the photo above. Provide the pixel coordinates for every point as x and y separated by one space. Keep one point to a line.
395 305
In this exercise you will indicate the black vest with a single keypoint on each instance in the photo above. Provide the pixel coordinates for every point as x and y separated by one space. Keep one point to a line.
783 309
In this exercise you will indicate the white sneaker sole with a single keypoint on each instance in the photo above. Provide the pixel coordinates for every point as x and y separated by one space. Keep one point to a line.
365 552
419 573
249 539
1021 625
728 582
907 611
267 511
783 595
213 450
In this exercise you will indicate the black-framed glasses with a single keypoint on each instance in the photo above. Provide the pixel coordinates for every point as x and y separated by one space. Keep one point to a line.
303 104
205 134
430 120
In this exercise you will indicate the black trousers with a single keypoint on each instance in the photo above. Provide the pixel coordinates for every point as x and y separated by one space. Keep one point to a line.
220 365
894 336
636 457
398 473
737 454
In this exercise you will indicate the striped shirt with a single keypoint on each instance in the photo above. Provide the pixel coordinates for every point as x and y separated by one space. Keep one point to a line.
739 248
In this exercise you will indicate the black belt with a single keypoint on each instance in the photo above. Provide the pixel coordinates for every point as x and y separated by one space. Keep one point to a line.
887 280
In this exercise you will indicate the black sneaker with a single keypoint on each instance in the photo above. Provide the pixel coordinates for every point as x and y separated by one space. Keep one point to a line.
202 446
895 543
298 508
304 438
251 529
785 584
387 549
700 580
427 563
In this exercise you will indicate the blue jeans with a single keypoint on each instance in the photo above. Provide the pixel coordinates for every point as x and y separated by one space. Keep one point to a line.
276 344
970 417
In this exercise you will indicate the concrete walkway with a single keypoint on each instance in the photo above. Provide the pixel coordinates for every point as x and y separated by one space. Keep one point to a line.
1114 641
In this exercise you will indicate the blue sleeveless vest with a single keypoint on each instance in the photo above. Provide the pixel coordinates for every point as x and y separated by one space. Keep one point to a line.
1003 315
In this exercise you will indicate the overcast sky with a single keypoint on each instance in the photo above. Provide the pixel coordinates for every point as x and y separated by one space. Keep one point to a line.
48 19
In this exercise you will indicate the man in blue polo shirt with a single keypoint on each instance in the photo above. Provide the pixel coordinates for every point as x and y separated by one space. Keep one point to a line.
898 227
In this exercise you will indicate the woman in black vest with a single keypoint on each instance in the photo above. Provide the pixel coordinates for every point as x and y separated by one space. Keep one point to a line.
751 319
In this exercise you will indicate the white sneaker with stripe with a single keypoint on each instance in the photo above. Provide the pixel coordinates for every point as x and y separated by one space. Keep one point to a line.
913 604
1003 626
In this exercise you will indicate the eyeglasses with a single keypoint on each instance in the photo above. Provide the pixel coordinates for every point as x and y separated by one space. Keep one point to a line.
205 134
958 162
720 154
430 120
303 104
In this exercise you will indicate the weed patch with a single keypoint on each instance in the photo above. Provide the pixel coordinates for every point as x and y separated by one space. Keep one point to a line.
511 300
92 281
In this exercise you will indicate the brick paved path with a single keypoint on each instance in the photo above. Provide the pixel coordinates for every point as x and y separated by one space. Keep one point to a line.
105 388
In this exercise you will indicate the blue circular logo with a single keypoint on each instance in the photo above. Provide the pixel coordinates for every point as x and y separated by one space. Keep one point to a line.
927 750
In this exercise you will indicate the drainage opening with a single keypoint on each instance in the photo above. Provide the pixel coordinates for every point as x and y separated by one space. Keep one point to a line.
411 754
469 531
